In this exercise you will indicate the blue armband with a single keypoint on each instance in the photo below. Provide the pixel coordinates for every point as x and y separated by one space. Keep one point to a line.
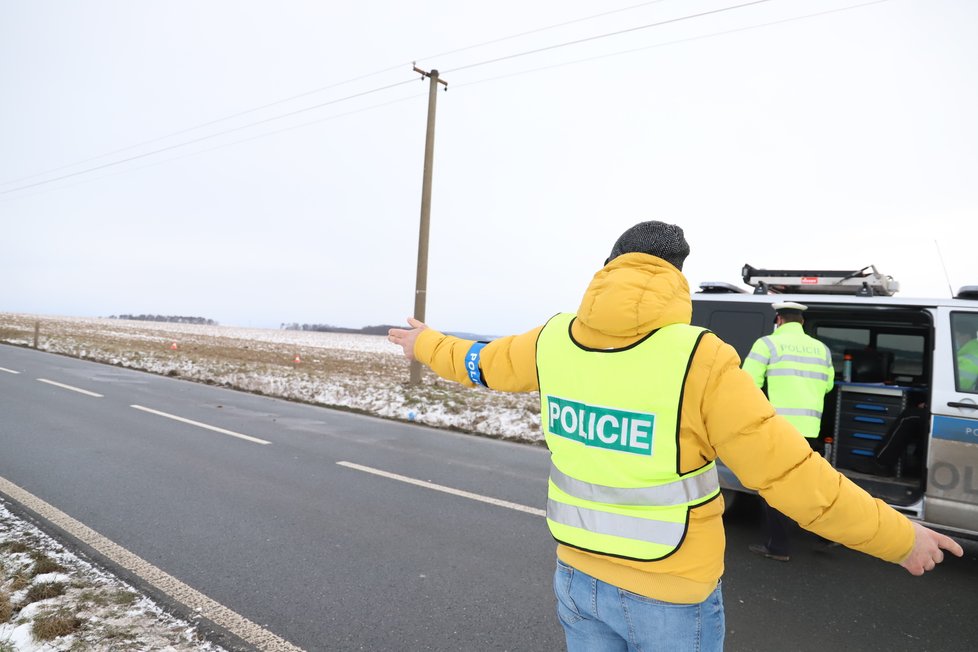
472 363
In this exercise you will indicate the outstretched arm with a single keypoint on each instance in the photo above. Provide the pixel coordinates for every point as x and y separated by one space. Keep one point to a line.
506 364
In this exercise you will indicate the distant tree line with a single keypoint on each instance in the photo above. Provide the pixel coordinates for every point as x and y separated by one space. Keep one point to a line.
326 328
173 319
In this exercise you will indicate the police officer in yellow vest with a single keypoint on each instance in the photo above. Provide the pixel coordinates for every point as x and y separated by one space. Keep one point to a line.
795 371
636 405
966 352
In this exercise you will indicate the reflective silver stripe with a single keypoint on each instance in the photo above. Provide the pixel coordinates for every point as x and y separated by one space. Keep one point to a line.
803 359
680 492
630 527
798 412
814 375
757 356
772 348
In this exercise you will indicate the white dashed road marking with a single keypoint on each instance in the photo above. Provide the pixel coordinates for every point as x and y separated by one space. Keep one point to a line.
444 489
9 371
202 425
74 389
191 598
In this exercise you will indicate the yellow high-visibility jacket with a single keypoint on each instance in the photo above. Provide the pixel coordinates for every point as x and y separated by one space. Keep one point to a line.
968 366
723 415
798 372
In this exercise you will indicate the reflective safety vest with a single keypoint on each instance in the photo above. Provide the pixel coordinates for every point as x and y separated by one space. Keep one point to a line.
968 366
611 421
798 371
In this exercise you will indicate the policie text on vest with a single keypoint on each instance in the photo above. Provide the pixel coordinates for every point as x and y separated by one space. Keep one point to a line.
601 427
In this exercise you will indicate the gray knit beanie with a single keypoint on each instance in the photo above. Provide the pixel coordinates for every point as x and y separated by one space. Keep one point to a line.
665 241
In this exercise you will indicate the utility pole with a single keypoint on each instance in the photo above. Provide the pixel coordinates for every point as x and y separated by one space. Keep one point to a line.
421 285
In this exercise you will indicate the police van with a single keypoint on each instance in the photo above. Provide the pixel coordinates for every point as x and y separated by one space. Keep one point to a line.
902 419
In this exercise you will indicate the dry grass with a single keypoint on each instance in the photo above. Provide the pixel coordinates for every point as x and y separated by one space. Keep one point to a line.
44 591
20 581
53 625
6 608
123 598
44 564
15 546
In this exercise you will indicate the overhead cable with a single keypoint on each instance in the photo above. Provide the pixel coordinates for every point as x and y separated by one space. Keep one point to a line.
229 144
202 138
321 89
607 35
667 43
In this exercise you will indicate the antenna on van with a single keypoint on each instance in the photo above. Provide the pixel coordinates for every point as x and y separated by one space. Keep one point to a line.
946 277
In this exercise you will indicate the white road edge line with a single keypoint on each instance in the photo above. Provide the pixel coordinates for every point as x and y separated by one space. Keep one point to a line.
74 389
201 425
189 597
448 490
9 371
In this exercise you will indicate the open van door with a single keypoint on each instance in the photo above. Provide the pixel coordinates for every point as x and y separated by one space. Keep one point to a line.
951 498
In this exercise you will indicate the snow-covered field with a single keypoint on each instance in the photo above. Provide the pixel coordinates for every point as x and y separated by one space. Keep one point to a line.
359 372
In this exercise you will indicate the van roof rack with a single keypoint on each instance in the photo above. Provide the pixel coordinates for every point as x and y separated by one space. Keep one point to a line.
859 282
719 287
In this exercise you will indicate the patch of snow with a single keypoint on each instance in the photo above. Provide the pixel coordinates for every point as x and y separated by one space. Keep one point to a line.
52 577
89 594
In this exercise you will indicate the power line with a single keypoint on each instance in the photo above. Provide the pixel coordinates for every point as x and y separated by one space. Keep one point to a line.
540 29
609 34
195 128
222 146
668 43
323 88
274 118
202 138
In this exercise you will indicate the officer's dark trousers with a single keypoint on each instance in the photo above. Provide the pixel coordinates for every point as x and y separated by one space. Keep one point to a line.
776 528
776 524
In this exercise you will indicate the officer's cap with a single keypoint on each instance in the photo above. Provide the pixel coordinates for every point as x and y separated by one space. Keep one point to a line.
789 307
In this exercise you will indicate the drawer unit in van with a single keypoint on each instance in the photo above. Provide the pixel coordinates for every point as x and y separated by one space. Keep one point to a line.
864 414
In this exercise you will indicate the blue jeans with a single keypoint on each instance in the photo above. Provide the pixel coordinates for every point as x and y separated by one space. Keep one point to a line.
599 617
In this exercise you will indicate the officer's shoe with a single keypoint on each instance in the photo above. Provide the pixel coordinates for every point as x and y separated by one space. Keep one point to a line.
761 549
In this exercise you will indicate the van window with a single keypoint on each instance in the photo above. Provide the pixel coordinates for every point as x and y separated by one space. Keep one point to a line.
964 327
908 353
878 355
842 339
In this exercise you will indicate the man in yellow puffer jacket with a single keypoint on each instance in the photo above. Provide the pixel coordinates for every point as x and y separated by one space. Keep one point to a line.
655 530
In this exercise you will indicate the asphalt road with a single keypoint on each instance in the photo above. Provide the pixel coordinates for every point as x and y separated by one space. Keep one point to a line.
330 556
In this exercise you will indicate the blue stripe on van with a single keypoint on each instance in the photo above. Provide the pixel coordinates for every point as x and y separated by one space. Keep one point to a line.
956 429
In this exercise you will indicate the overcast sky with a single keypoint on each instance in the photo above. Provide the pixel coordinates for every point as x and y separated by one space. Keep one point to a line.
261 162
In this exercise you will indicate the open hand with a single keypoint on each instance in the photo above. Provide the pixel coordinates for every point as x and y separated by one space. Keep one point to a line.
405 338
928 550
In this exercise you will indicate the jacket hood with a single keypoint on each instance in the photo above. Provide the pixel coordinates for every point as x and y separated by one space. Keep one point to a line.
635 294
